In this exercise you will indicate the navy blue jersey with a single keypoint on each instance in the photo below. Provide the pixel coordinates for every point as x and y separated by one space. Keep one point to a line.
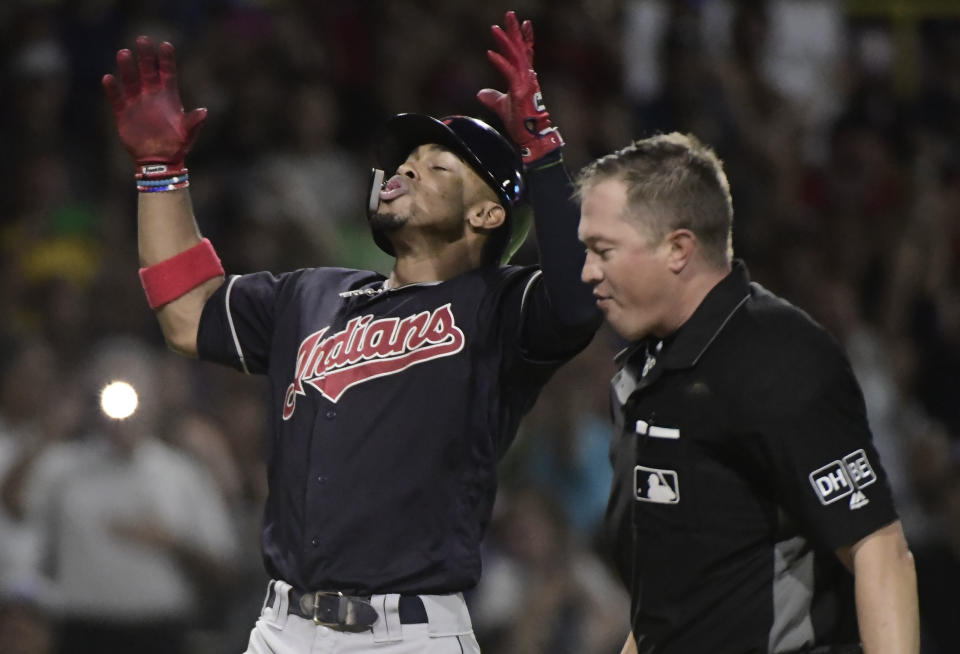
389 411
743 460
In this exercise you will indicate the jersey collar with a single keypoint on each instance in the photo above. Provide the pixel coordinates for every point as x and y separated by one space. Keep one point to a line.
382 286
685 347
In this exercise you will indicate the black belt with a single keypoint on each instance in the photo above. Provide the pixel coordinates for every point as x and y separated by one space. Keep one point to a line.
346 612
830 649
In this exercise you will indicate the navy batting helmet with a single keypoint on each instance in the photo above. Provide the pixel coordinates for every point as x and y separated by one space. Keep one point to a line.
482 147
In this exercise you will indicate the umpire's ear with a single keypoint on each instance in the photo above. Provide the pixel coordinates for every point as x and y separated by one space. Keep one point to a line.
486 215
682 244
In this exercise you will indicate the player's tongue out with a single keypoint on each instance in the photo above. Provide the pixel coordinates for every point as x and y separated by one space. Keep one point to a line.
394 188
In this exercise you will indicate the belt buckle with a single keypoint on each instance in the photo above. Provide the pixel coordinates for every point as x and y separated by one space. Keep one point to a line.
316 606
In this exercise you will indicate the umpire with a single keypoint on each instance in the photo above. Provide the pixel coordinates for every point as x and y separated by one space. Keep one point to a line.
749 510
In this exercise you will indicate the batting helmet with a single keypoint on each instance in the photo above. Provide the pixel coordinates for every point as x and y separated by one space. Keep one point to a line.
482 147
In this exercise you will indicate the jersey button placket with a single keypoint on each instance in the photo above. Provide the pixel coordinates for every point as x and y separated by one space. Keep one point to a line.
321 480
318 498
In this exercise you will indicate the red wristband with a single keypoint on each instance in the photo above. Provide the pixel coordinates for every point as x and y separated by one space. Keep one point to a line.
166 281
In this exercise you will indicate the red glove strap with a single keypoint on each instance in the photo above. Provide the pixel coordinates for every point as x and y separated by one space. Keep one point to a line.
545 142
171 278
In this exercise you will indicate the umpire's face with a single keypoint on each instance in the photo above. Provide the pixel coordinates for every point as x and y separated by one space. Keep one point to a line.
632 275
435 198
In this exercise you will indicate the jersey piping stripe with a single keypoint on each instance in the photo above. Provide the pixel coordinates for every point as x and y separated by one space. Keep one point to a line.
233 330
526 291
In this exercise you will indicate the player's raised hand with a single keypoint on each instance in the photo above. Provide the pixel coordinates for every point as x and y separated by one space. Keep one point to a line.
146 103
521 109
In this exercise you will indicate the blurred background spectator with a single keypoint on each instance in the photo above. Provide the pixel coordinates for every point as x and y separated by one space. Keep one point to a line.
134 533
25 625
837 120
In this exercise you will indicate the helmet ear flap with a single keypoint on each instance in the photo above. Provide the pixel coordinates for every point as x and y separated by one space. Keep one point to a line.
517 228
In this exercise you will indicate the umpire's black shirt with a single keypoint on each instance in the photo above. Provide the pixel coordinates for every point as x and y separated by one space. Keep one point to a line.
742 460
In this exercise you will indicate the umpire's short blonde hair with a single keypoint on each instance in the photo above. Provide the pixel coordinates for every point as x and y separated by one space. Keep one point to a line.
680 182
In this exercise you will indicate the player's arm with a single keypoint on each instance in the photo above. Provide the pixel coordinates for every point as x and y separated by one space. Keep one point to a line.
562 305
630 646
179 270
885 583
166 228
816 441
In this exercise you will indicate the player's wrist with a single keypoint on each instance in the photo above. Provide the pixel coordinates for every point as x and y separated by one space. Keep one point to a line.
542 144
159 177
160 184
152 168
547 160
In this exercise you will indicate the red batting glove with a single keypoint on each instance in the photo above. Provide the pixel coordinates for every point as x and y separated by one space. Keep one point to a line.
146 103
521 109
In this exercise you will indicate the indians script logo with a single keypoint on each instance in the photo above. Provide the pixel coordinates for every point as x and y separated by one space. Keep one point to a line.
368 348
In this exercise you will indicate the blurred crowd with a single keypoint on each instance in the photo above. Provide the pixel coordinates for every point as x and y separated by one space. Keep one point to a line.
839 126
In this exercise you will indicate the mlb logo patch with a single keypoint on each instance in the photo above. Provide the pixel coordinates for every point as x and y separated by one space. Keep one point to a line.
656 485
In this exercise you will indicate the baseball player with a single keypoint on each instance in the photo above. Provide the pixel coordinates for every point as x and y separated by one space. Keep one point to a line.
392 398
749 512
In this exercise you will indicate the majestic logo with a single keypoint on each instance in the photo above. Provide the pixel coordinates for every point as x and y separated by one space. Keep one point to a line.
840 479
368 348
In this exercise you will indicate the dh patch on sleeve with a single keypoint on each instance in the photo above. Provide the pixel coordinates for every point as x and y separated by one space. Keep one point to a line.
859 468
840 479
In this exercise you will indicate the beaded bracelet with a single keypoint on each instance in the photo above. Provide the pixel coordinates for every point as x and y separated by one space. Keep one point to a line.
152 178
163 183
172 183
